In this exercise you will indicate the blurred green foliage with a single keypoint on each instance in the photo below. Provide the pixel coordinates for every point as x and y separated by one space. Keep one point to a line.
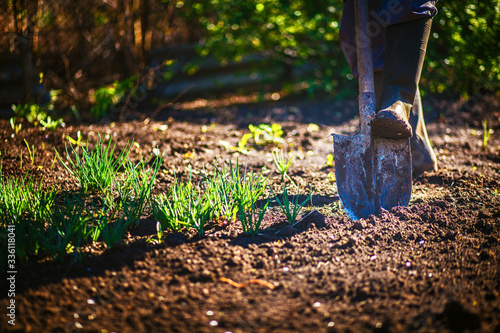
301 36
464 54
104 99
462 57
37 114
297 33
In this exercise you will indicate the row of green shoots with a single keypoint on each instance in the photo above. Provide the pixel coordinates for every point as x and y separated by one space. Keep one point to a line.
115 192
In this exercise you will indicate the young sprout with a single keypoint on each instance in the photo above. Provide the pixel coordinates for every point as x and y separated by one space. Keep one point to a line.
31 152
78 142
329 160
249 217
15 127
264 134
486 133
281 164
286 203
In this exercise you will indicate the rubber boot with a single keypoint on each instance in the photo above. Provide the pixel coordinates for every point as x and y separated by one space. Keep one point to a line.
422 154
404 55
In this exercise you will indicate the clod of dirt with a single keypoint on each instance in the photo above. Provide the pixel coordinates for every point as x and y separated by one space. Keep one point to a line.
314 217
484 226
175 239
358 226
287 231
457 318
435 261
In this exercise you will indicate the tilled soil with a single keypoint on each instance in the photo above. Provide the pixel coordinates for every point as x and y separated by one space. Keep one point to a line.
432 266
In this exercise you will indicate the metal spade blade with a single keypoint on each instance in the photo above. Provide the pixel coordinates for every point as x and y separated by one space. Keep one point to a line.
371 172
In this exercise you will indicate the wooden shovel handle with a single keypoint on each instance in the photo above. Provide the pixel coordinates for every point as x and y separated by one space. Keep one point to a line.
364 48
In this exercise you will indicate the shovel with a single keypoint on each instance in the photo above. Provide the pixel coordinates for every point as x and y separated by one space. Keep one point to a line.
372 172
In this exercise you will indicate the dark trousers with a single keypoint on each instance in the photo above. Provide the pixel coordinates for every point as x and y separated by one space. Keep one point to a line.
382 14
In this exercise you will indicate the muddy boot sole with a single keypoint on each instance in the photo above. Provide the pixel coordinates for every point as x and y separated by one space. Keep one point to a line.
387 124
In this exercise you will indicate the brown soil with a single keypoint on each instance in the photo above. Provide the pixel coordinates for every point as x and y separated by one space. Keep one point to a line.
432 266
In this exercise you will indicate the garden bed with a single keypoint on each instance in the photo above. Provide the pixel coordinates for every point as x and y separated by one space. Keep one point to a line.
432 266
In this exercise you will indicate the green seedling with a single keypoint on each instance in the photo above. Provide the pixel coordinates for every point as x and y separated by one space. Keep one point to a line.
240 148
262 134
51 124
135 194
218 193
282 165
486 133
36 114
112 233
100 219
53 162
24 197
246 186
31 152
286 204
24 205
15 127
165 210
243 142
200 212
184 206
199 208
159 235
96 168
172 209
31 112
79 139
267 134
249 218
329 160
67 229
226 186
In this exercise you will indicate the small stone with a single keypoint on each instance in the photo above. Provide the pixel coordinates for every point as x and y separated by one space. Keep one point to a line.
357 226
442 204
287 231
313 217
311 226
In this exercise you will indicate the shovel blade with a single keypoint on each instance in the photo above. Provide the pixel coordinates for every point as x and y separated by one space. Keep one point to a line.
393 172
372 173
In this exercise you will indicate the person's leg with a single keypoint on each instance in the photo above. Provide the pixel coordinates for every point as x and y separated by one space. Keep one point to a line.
422 154
404 55
381 14
347 35
423 157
